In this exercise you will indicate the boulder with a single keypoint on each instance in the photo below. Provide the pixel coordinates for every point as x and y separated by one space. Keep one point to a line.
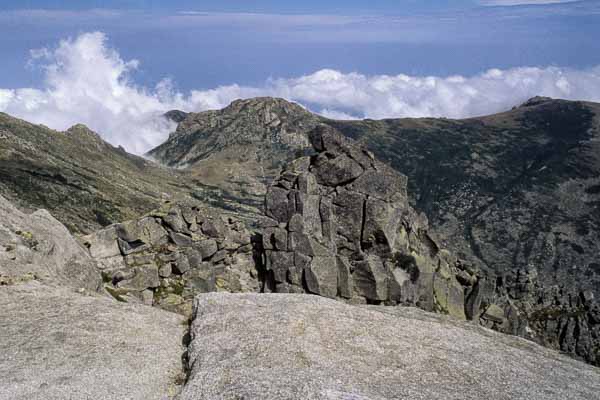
38 247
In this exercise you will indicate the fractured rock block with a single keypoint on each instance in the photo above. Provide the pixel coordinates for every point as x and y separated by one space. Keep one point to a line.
371 278
321 276
335 170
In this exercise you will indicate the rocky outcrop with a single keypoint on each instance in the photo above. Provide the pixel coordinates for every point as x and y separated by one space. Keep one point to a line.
307 347
520 192
37 247
60 337
168 256
340 226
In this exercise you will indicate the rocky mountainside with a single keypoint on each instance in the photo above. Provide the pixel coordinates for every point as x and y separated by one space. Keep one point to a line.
240 149
342 227
63 338
516 192
84 181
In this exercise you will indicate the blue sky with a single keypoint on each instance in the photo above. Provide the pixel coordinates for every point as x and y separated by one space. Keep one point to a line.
263 6
373 37
115 65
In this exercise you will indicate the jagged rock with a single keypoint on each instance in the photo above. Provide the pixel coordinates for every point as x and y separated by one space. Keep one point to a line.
283 346
103 244
336 169
174 253
144 277
321 276
165 271
354 234
494 313
462 175
207 248
180 239
370 279
181 264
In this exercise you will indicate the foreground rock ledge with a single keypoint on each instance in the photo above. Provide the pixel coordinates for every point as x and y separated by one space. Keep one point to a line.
58 344
279 346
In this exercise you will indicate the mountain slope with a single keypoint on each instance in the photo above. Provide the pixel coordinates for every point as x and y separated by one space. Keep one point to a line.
85 182
241 148
499 188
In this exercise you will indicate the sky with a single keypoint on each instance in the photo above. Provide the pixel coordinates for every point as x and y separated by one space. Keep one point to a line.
117 65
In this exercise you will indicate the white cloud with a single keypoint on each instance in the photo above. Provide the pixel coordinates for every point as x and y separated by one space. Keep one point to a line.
87 82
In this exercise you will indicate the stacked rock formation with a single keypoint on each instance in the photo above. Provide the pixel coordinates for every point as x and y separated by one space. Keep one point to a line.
340 226
172 254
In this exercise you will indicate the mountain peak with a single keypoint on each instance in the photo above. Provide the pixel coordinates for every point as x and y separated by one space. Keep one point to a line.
536 101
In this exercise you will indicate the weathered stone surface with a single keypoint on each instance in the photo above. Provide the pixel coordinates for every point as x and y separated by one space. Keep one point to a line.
144 277
38 247
336 169
174 220
355 237
145 230
165 271
371 279
384 184
59 344
164 260
199 280
276 204
345 281
308 347
103 244
321 276
180 239
275 239
207 248
279 262
181 264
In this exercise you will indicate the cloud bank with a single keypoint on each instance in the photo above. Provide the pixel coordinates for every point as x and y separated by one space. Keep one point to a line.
88 82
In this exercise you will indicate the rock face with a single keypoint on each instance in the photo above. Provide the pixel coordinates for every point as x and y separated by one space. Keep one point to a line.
308 347
168 256
38 247
58 344
516 192
341 227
